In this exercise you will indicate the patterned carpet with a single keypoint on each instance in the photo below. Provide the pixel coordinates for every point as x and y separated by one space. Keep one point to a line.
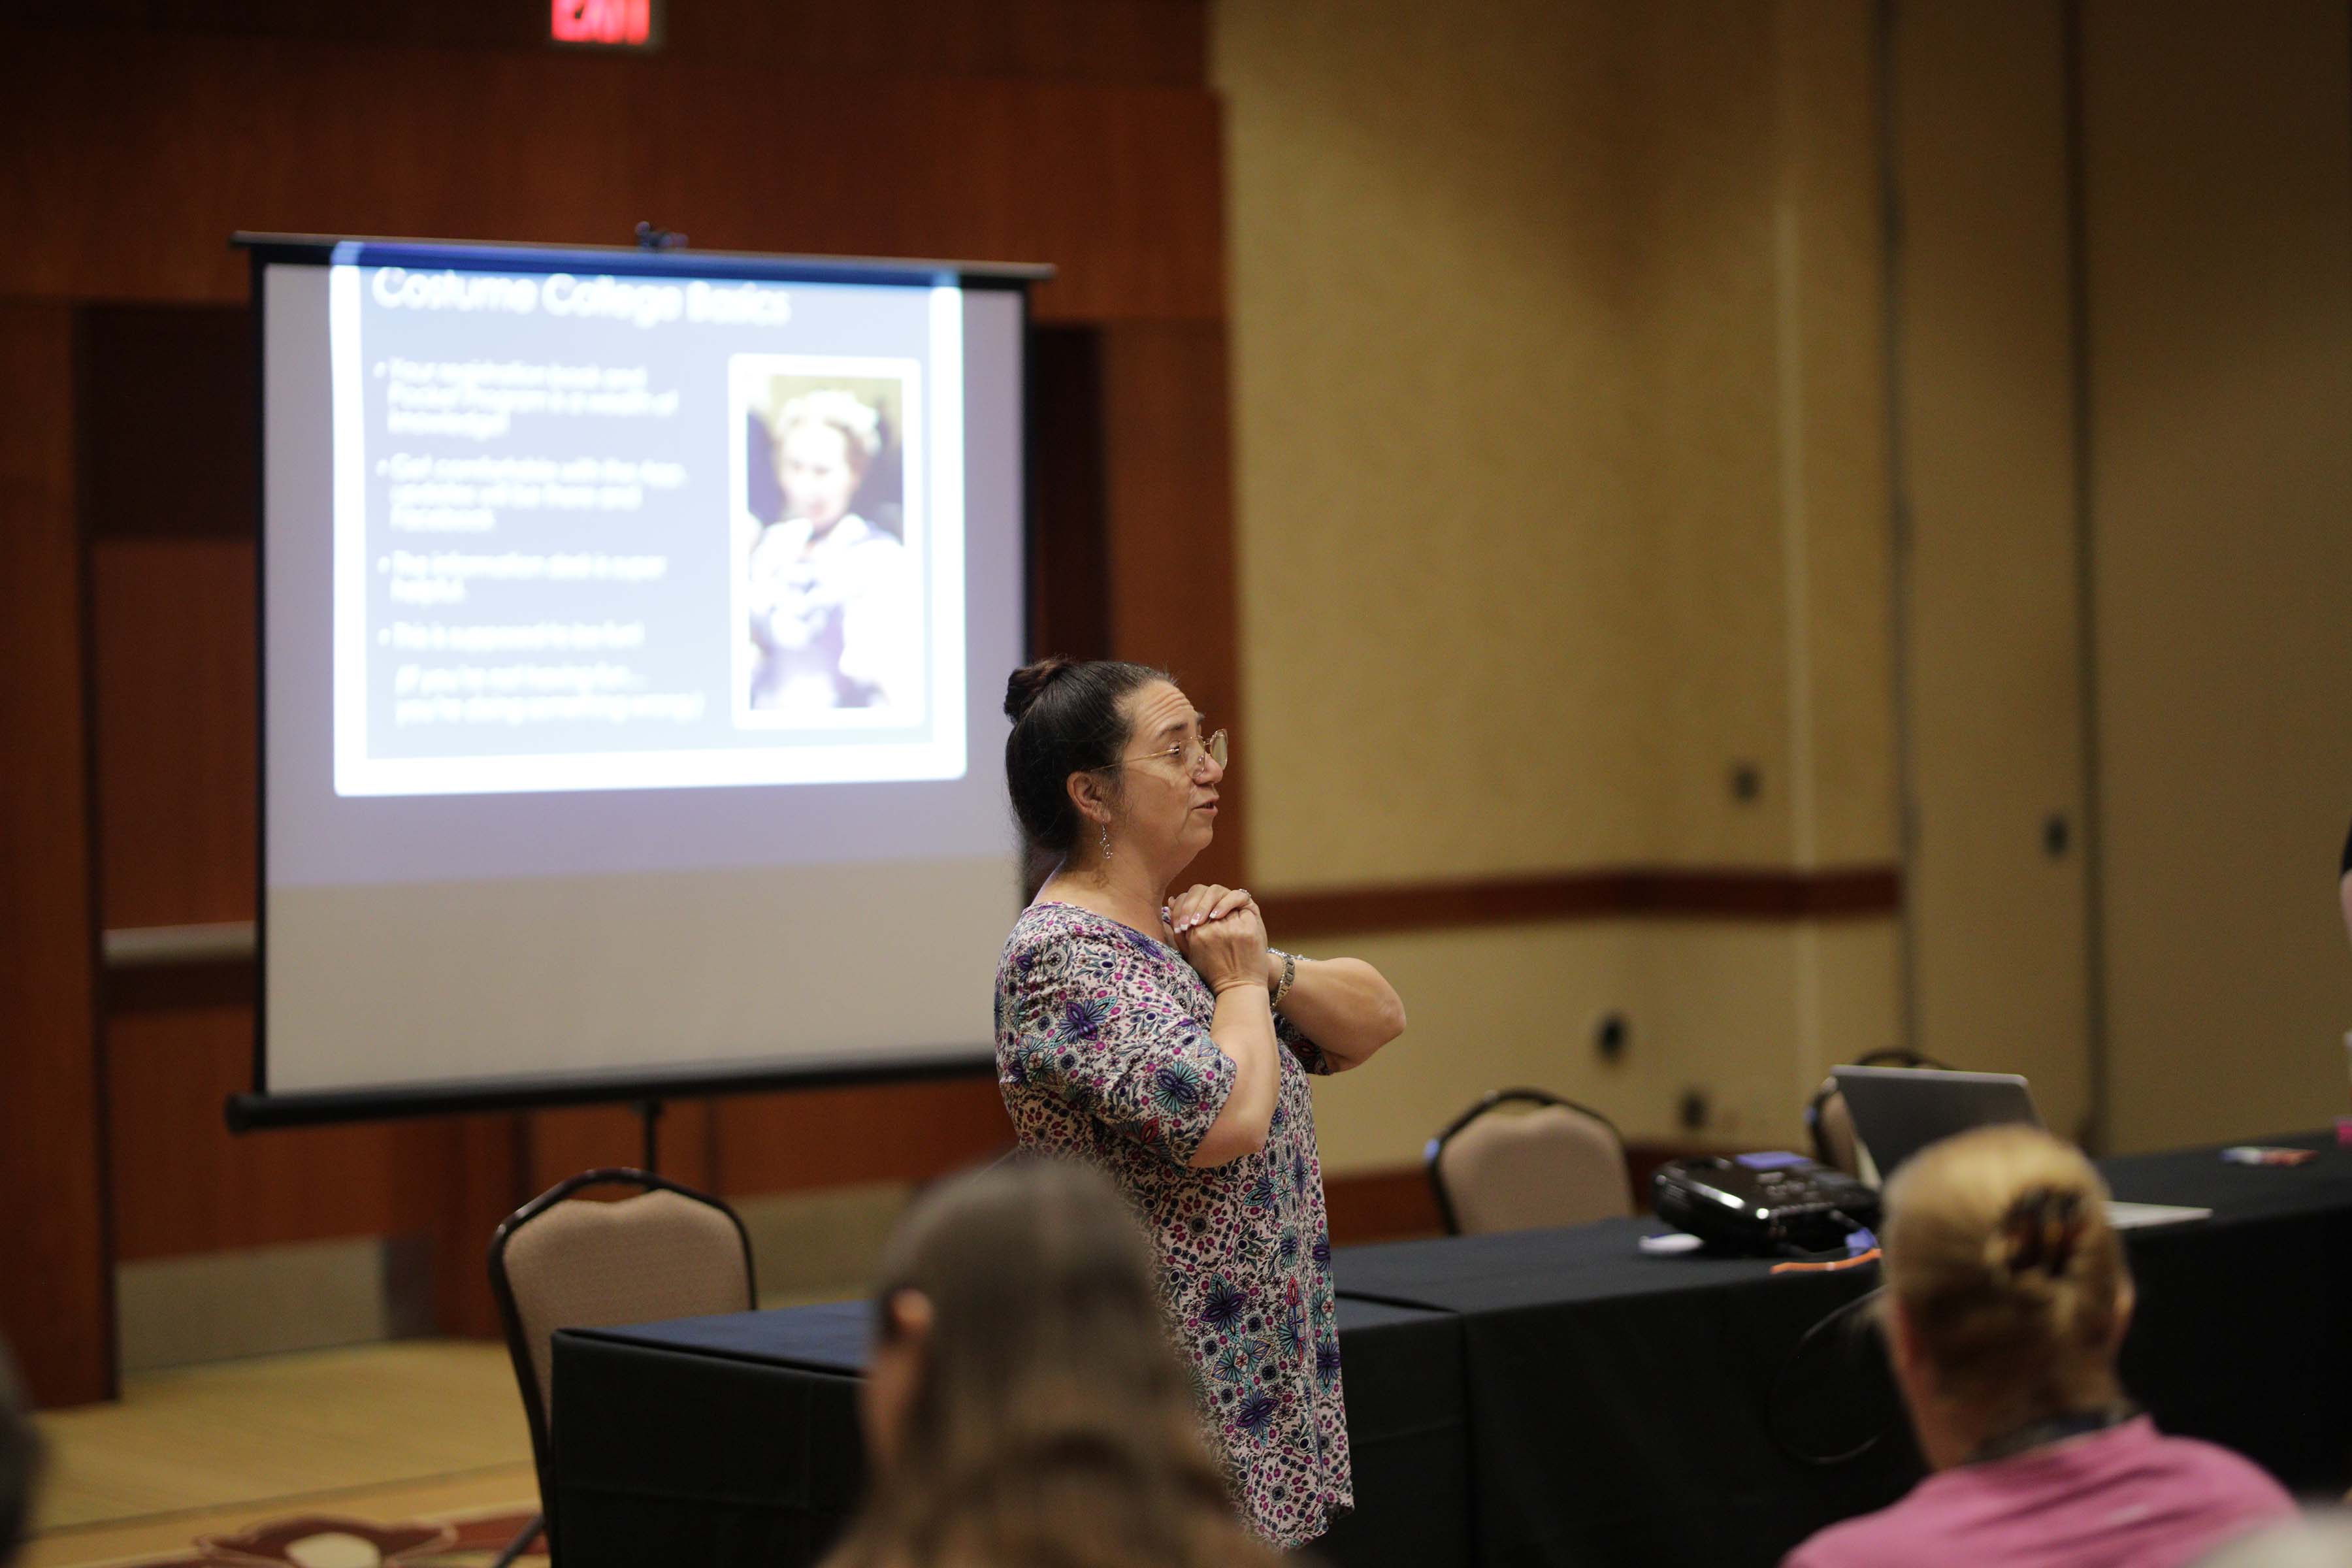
330 1541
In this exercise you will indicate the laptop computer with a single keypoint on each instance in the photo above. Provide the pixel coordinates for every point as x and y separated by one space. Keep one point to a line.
1897 1111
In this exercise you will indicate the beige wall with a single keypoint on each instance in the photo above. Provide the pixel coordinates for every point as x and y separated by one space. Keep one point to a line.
2212 204
1752 1014
1564 431
2218 179
1555 340
1562 492
1991 586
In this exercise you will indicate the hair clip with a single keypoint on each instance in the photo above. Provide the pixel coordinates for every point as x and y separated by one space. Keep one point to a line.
2041 1229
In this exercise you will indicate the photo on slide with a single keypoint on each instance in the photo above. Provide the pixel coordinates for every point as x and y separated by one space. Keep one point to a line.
828 558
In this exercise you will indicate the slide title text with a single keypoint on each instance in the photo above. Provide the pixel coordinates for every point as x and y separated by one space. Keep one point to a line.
645 304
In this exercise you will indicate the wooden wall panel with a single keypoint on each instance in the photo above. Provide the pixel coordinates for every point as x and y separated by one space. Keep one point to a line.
564 1143
55 1287
775 1142
1159 42
483 1176
183 1183
1169 465
1162 42
1069 582
1118 186
1072 131
164 422
175 649
1380 1206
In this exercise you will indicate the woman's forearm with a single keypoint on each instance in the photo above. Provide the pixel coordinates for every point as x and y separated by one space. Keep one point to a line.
1344 1007
1243 1028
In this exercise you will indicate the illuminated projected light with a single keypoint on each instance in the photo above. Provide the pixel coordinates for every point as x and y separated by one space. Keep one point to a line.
606 23
632 619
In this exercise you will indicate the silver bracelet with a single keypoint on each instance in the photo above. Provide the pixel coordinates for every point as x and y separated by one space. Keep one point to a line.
1289 973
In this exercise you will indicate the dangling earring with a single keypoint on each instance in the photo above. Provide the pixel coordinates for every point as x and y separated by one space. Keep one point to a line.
1105 840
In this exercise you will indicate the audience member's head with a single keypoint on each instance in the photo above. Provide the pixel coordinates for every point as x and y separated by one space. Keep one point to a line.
2006 1299
20 1463
1024 1404
2007 1292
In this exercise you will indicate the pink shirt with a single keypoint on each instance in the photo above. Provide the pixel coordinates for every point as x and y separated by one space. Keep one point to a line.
2124 1497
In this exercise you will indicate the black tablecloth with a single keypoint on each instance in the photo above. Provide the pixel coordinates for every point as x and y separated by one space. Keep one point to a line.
1622 1405
1544 1397
734 1440
2243 1334
708 1440
1622 1408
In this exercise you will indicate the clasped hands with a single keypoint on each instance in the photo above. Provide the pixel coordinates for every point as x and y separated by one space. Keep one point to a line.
1222 934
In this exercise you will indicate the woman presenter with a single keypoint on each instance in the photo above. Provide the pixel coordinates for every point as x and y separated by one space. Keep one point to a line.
1161 1039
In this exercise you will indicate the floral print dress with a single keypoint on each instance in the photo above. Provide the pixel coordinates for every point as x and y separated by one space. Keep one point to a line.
1103 1053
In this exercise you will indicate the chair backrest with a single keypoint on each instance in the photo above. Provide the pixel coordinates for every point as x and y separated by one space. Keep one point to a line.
564 1262
1521 1158
1835 1142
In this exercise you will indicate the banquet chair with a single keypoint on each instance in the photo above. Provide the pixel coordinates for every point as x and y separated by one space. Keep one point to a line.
1832 1124
1523 1158
566 1262
1835 1142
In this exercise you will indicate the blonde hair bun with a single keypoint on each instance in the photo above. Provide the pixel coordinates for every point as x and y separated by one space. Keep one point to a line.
1998 1254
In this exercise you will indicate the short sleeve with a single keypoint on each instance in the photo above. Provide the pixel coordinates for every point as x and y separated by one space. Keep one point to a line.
1089 1022
1310 1054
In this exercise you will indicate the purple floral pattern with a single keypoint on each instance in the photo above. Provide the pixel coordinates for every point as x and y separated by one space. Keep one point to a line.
1103 1054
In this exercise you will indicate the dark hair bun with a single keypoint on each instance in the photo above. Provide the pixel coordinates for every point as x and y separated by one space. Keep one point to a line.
1081 731
1028 683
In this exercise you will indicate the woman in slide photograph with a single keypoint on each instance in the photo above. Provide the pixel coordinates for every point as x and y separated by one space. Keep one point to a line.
1157 1037
834 608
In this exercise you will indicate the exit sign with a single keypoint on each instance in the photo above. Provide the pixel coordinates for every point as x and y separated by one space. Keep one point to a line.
606 23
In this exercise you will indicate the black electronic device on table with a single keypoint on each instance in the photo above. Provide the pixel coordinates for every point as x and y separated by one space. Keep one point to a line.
1767 1205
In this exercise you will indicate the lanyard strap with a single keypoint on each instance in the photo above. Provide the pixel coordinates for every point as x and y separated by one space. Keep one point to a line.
2054 1429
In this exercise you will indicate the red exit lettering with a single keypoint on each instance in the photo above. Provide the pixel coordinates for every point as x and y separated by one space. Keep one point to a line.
622 24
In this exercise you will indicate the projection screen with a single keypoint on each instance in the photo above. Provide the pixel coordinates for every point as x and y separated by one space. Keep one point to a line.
633 625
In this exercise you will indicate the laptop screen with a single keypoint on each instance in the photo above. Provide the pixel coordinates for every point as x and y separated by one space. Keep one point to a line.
1897 1111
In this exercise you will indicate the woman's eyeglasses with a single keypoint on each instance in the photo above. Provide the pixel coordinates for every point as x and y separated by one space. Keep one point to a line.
1191 755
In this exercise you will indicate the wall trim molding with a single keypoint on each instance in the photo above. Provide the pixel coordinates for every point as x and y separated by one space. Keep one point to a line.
1634 892
221 976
